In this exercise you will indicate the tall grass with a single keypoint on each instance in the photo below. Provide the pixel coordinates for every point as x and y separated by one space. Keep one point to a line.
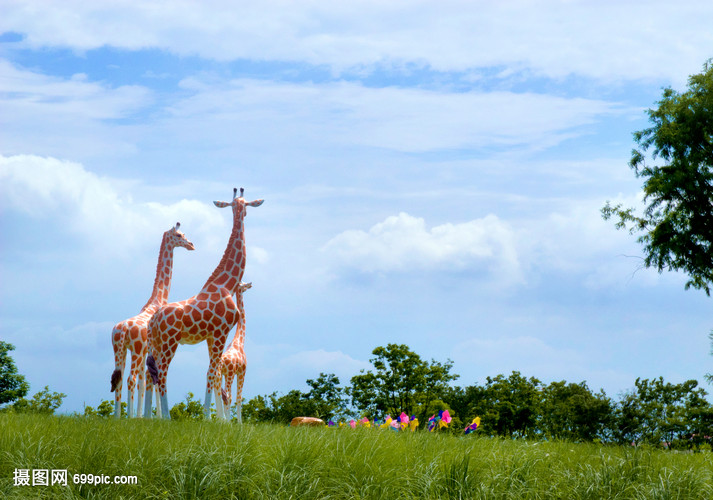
185 460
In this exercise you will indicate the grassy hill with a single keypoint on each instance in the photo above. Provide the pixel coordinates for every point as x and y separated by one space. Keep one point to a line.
216 460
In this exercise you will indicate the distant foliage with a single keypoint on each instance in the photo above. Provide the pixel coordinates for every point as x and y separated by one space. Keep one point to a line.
104 410
44 402
325 400
400 382
660 412
13 386
656 413
190 409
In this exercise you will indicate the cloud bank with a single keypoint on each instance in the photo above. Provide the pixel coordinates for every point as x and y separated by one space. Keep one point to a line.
553 39
403 243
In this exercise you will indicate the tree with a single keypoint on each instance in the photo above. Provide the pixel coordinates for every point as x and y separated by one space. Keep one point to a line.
278 409
190 409
403 382
466 402
659 412
573 412
328 398
13 386
43 402
104 410
325 400
510 406
677 222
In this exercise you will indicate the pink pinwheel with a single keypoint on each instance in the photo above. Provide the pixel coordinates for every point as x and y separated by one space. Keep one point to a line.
352 423
446 417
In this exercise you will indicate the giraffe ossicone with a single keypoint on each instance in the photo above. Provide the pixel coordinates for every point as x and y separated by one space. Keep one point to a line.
207 316
131 334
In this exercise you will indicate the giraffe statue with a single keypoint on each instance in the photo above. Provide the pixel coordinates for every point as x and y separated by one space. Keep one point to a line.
132 333
233 362
208 316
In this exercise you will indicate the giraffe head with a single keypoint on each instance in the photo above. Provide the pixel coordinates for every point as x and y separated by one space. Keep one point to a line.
176 238
239 204
244 286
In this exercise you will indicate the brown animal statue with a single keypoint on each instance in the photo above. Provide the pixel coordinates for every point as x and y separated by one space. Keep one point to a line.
307 421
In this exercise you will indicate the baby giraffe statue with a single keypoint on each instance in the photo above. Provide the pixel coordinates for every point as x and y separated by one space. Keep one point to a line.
233 362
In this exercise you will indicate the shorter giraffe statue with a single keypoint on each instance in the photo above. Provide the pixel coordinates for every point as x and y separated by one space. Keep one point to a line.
233 362
132 333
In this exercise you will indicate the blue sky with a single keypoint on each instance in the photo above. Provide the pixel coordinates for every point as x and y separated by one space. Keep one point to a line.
432 175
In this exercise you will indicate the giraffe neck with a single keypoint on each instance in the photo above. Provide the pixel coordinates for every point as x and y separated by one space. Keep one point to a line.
162 282
239 339
232 265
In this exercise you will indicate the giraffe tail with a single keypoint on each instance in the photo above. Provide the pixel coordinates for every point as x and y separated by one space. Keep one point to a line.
115 379
224 395
151 368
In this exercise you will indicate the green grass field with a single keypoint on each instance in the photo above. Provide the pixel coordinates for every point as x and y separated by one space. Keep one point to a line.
216 460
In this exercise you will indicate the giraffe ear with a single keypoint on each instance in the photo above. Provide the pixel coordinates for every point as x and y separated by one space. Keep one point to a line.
221 204
255 203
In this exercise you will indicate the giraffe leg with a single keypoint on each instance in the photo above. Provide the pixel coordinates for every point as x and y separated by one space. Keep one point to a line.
131 384
215 349
228 376
165 412
239 394
119 345
142 387
162 363
148 401
149 385
151 375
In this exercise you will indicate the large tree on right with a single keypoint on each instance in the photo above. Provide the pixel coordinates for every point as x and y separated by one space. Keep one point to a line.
674 157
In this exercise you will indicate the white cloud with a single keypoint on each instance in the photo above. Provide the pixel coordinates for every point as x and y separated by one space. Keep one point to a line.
411 120
68 195
404 243
76 118
559 238
555 38
76 96
64 116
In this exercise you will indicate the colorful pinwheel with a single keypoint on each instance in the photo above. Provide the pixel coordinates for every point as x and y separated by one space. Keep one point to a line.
440 421
413 424
473 425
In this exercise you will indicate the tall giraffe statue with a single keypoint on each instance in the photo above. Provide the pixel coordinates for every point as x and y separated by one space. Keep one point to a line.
233 362
132 333
208 316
